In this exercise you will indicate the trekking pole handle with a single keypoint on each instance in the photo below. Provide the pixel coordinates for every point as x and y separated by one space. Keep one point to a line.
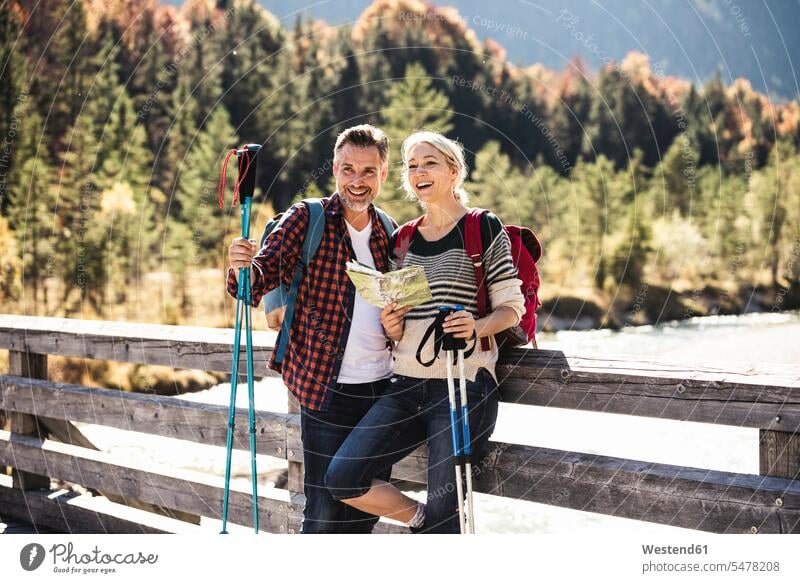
449 342
247 169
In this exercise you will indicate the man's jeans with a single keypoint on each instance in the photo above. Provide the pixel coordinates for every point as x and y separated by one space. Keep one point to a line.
412 412
322 433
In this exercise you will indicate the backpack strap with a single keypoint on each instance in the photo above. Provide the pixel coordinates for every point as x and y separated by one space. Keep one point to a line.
473 245
403 240
311 242
386 221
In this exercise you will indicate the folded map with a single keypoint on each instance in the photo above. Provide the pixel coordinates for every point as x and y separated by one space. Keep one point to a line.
407 287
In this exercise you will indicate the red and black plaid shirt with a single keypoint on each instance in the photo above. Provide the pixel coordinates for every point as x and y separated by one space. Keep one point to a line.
325 298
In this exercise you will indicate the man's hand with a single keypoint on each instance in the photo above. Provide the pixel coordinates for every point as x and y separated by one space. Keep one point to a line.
392 319
241 252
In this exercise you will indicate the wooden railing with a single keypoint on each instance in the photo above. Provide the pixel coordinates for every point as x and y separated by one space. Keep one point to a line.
41 442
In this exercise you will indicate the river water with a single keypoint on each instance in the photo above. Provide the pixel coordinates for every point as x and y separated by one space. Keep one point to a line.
752 340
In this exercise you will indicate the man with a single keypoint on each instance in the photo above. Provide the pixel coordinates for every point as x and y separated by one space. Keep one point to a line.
336 375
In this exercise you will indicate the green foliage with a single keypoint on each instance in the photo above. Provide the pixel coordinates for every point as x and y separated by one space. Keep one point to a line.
10 265
678 174
196 201
116 149
413 105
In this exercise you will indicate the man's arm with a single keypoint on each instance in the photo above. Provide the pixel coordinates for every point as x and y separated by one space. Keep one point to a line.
277 258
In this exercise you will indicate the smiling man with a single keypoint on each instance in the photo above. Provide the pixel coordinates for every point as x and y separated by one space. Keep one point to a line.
336 375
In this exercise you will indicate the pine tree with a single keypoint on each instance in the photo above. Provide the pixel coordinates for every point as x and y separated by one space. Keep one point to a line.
678 174
768 203
349 100
623 118
413 105
718 114
698 127
599 203
61 76
252 88
31 206
630 254
179 246
568 119
133 228
203 64
104 94
513 194
172 153
487 180
305 136
79 246
197 184
14 98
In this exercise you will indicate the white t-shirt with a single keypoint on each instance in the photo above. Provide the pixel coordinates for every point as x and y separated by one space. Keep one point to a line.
367 357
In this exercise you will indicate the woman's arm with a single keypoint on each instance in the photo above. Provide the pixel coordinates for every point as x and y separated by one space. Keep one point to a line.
393 319
501 319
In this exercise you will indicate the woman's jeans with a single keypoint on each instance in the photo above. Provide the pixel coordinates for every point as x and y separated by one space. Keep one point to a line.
410 413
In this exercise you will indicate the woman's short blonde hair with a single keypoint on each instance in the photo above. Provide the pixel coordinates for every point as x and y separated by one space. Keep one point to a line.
453 153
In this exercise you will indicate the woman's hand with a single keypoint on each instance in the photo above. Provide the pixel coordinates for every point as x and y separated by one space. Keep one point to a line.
393 319
460 324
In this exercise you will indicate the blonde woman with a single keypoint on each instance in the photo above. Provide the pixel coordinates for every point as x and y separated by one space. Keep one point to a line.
415 408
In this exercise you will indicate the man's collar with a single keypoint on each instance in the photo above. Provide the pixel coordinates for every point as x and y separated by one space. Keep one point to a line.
335 206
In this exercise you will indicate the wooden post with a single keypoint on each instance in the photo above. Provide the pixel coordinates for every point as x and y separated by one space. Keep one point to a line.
5 425
779 454
296 475
27 364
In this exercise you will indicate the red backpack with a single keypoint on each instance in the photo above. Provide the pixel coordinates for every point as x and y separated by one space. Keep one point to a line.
526 250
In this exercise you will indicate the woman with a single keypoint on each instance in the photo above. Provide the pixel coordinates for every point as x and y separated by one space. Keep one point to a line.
415 409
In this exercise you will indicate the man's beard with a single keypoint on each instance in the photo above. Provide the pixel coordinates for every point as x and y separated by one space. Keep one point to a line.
356 205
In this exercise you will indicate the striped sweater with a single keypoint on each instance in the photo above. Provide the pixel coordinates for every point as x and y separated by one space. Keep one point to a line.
452 281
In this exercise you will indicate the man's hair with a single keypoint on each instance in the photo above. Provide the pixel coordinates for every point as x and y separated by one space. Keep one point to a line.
363 136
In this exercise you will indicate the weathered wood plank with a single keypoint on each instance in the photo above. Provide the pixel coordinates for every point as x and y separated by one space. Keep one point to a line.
66 432
628 385
294 454
765 399
199 348
12 525
692 498
32 366
686 497
69 512
729 372
779 454
179 489
154 414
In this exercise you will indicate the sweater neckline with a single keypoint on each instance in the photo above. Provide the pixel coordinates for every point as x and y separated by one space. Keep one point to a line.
455 226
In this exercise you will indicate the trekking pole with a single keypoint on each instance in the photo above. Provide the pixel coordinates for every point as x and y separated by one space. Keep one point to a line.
466 443
244 186
461 446
451 393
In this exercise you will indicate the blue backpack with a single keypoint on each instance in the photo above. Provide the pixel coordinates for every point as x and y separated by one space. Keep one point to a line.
283 299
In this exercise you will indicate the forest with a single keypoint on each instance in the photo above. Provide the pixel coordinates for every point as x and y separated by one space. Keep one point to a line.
115 117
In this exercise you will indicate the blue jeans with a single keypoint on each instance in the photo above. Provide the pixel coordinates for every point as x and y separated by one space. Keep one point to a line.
412 412
322 433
